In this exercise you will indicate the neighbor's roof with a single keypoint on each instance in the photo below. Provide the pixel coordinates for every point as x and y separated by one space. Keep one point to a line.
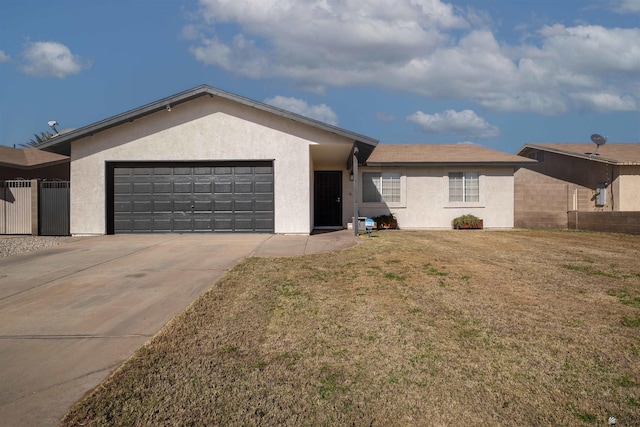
613 153
441 154
61 143
28 158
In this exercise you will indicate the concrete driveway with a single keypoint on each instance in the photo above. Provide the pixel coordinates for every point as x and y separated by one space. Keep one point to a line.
71 314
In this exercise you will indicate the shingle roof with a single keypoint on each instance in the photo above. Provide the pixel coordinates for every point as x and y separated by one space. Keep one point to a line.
614 153
445 154
26 158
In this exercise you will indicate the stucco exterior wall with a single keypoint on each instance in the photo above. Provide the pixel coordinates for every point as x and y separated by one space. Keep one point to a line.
425 200
208 128
628 191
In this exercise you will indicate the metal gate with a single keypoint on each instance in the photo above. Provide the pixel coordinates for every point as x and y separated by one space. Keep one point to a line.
53 208
15 207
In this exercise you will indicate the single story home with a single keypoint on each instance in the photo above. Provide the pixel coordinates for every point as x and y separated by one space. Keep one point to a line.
207 160
575 177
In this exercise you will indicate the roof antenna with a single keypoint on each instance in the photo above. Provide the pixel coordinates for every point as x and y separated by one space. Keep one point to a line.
599 140
52 124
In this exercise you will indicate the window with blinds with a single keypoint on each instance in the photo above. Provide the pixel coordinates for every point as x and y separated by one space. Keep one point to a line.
464 187
380 187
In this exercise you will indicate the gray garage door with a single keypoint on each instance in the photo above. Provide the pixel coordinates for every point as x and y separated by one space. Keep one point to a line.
189 197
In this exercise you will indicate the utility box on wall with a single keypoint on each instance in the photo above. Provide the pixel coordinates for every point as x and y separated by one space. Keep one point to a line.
601 195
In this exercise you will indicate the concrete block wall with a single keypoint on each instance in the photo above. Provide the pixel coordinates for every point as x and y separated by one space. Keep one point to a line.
610 222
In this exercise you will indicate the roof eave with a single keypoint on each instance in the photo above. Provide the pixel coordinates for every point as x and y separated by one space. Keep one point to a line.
571 154
34 166
188 95
437 164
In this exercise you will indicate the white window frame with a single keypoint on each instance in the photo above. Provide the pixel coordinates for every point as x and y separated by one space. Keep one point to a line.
459 204
388 173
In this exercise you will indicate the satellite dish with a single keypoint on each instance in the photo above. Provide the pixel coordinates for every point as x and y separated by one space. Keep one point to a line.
598 139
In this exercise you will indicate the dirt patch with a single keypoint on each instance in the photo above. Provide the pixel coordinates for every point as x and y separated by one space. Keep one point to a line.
408 328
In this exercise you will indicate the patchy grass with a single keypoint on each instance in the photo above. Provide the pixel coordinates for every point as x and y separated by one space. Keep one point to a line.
410 328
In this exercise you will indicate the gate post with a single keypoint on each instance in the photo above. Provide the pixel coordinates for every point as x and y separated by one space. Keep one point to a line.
35 198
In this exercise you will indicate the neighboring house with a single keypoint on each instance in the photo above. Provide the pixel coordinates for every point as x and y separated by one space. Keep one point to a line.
427 185
207 160
34 192
32 163
574 177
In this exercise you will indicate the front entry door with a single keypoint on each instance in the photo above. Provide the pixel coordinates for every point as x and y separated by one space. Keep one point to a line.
328 199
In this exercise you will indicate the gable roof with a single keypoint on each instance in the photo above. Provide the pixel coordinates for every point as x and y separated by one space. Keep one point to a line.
28 158
62 142
441 154
613 153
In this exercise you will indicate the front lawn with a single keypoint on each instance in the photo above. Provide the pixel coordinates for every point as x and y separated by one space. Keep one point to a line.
408 328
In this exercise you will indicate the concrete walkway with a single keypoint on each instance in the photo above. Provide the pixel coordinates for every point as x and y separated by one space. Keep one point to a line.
71 314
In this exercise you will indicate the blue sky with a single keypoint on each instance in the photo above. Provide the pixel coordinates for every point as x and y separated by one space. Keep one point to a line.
499 73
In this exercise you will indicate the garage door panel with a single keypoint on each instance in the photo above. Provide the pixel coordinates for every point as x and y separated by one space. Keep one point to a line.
203 187
142 188
204 224
243 170
203 171
182 187
223 224
244 206
263 206
182 224
123 224
162 224
244 224
141 171
223 187
141 225
182 171
123 188
161 188
223 206
243 188
222 170
180 206
162 206
123 206
193 197
263 170
142 207
264 188
203 206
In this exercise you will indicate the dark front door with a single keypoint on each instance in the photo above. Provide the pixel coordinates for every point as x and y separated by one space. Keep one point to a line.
328 199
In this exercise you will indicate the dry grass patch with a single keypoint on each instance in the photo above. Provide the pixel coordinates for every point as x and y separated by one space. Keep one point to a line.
408 328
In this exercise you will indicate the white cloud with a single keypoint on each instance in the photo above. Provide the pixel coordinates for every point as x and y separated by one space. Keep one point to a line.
320 112
605 102
4 57
427 47
51 59
464 124
626 6
384 117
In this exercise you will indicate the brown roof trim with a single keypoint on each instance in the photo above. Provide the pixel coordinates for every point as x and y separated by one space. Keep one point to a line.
442 155
29 158
583 151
